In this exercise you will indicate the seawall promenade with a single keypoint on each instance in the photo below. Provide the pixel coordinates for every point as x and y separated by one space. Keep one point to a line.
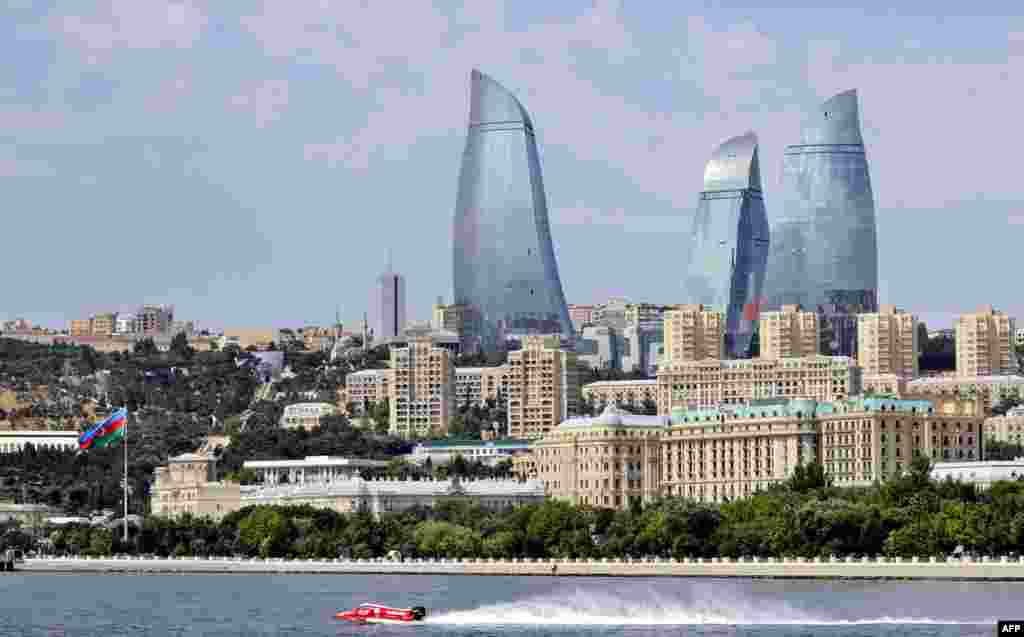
795 568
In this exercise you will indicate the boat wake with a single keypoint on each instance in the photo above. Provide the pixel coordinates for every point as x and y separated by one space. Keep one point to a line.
590 608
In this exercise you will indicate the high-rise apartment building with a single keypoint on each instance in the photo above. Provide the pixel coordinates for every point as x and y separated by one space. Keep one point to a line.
638 314
154 319
391 304
709 383
366 388
478 385
80 327
887 343
448 317
504 263
104 324
543 386
985 343
824 253
612 313
730 241
693 333
789 333
423 390
581 316
126 324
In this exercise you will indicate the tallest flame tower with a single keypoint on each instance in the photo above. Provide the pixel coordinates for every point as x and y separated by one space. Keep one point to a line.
504 268
824 252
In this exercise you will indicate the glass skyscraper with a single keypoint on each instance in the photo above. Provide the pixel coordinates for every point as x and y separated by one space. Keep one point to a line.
505 272
824 254
729 245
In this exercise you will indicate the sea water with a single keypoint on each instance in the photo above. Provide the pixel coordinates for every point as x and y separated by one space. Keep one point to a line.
242 605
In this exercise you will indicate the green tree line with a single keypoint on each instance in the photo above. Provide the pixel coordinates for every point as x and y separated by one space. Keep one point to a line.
806 516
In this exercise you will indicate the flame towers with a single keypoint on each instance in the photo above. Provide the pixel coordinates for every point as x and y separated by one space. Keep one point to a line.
505 274
730 240
824 254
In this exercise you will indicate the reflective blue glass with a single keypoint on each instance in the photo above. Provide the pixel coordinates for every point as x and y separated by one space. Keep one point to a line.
824 253
504 265
730 241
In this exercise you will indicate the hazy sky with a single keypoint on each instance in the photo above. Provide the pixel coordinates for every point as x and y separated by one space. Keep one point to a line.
253 167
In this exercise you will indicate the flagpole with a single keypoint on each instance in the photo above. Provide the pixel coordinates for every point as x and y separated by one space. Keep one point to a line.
126 479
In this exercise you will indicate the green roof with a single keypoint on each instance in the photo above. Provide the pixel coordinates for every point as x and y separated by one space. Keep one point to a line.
775 408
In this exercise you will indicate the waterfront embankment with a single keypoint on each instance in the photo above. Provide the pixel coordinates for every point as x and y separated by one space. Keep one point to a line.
776 568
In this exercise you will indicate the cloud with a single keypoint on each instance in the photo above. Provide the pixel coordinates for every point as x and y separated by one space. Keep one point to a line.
304 105
133 24
13 167
263 101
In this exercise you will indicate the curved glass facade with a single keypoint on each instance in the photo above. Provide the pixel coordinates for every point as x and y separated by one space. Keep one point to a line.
824 254
504 265
730 241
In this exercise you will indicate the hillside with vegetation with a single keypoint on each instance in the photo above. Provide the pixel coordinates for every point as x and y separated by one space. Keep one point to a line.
175 399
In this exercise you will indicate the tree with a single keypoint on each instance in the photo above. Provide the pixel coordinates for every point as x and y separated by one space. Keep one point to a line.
145 347
264 530
101 541
380 413
808 478
180 346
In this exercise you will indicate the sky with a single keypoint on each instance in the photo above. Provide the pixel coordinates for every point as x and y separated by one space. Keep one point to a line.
253 163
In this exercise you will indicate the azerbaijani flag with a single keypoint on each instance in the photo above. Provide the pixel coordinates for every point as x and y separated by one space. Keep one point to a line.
105 433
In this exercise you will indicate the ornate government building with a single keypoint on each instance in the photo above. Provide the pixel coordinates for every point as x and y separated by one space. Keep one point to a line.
722 453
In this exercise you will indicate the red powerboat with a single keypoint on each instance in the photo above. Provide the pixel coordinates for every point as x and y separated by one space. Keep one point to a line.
377 614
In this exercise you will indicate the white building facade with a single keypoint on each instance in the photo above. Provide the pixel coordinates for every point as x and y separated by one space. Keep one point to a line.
15 440
489 453
310 470
982 474
306 415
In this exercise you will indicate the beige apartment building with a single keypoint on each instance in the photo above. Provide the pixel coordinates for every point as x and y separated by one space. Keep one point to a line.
989 390
185 485
887 342
789 333
542 386
104 324
718 454
709 383
364 388
985 343
320 339
80 327
478 385
423 390
246 337
694 333
624 393
1008 428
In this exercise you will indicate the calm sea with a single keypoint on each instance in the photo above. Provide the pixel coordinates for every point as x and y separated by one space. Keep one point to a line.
221 605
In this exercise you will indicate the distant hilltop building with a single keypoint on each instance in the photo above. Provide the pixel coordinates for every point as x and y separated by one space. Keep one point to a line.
504 266
730 241
824 253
